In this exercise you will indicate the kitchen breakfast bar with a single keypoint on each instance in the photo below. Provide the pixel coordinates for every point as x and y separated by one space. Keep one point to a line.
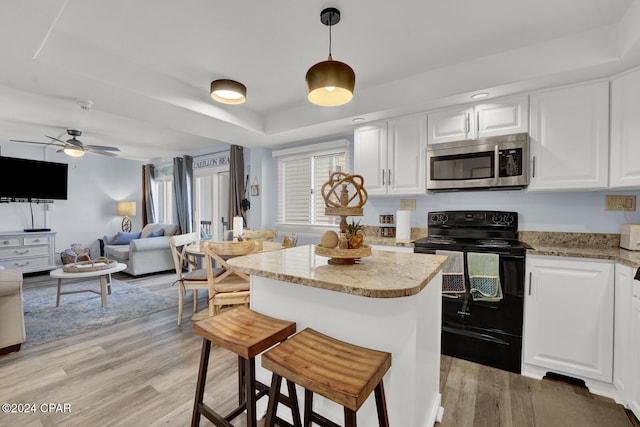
389 301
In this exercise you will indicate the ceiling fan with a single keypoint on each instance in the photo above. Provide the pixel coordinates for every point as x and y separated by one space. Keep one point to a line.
74 147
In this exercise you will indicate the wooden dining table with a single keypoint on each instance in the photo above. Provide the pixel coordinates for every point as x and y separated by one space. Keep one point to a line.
195 250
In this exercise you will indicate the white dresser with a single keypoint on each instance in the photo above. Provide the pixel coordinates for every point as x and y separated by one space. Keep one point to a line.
29 252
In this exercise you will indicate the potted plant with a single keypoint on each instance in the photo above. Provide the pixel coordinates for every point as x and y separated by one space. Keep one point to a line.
355 234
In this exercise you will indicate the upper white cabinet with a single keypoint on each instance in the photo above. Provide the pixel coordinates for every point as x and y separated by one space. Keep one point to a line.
502 116
569 138
390 155
624 171
569 307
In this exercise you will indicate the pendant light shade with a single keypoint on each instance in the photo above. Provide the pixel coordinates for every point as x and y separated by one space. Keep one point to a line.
330 83
228 91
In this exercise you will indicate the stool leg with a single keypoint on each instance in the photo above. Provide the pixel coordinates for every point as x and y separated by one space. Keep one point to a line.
349 417
241 381
202 379
293 399
250 390
381 404
274 394
308 407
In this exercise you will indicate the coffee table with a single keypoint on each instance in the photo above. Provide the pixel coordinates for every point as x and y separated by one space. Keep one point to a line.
105 281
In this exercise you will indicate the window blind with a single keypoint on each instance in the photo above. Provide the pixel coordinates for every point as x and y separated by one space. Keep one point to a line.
300 180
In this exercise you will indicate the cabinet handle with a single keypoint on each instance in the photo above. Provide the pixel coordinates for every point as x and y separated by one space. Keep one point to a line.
21 252
533 167
389 176
17 264
5 242
382 176
477 123
468 125
37 241
529 283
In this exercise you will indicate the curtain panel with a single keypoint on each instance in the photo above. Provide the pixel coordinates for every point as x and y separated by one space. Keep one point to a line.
148 211
236 184
183 190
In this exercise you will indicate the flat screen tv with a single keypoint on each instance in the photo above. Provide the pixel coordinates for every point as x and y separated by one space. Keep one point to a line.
32 179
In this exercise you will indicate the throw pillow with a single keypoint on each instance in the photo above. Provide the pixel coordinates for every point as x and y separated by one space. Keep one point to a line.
125 238
157 233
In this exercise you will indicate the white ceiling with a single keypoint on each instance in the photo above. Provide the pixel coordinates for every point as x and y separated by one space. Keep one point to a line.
147 64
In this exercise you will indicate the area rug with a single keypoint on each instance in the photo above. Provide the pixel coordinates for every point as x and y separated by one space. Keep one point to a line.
81 312
552 408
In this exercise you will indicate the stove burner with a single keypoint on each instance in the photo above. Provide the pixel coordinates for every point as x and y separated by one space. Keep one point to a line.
440 240
493 243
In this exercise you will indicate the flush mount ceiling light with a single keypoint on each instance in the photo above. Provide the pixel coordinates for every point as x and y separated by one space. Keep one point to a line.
73 152
330 83
228 91
479 95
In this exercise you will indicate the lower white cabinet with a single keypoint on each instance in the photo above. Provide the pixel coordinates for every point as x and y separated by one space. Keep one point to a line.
30 252
622 362
634 357
569 309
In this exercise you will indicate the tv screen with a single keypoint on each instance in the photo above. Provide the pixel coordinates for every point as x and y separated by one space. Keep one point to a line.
32 179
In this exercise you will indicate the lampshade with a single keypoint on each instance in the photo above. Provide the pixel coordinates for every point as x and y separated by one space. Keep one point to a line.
73 152
228 91
330 83
126 208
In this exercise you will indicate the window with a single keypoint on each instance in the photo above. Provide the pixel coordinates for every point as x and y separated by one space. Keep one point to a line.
301 173
164 200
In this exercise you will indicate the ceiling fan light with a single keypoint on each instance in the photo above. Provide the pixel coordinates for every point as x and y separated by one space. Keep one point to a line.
330 83
228 91
73 152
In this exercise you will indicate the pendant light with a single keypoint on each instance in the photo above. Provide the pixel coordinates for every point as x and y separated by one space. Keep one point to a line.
330 83
228 91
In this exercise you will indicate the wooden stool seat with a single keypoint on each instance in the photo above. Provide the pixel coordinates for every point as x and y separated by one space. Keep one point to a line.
247 334
339 371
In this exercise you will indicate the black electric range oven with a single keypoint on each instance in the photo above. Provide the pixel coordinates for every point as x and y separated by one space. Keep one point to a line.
483 330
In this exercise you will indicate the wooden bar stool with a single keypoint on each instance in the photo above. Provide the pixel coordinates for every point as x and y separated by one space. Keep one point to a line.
246 333
341 372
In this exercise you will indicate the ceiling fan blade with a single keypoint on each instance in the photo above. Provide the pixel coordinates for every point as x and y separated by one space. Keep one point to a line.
104 153
56 139
35 142
102 147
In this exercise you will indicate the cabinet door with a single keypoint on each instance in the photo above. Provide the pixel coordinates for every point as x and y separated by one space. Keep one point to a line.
407 142
634 391
456 124
569 317
569 138
621 334
502 117
625 131
370 156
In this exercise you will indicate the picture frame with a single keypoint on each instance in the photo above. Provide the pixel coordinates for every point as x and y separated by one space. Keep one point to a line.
255 190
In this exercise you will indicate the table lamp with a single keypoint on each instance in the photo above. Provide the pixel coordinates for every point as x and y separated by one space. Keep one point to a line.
126 209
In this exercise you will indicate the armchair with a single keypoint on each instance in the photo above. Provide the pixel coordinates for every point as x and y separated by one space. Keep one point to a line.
12 331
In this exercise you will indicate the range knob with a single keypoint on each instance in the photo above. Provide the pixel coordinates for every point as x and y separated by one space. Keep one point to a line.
439 218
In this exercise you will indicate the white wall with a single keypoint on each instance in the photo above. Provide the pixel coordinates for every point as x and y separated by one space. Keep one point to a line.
95 183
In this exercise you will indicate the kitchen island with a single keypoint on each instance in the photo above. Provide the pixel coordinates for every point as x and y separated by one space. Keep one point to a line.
388 301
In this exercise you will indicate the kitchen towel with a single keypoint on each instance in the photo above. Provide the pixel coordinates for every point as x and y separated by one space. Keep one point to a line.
484 276
453 274
403 225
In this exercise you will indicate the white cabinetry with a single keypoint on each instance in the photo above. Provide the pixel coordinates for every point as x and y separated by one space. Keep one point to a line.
569 138
390 155
569 318
499 117
29 252
624 171
622 362
634 357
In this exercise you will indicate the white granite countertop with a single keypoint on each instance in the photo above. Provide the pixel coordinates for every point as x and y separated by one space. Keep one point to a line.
384 274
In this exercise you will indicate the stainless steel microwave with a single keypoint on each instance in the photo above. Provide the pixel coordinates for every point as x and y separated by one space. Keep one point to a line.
494 163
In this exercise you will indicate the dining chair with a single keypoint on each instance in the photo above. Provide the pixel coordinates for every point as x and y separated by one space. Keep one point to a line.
194 278
229 287
269 235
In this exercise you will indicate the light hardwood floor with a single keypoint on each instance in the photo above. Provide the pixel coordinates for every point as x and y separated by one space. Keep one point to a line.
143 373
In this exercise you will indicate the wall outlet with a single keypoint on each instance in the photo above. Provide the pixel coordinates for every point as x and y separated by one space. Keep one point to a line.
407 204
619 203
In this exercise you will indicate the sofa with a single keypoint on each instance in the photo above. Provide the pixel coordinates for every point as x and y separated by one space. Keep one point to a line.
12 332
144 252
